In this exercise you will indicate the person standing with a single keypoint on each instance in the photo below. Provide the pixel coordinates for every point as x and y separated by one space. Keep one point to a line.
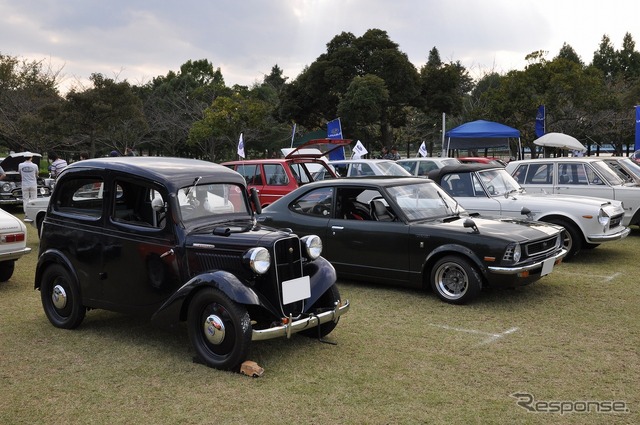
57 165
29 175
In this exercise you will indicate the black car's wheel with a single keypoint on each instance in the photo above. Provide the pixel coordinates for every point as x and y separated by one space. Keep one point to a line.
61 298
572 237
219 329
326 302
455 280
6 270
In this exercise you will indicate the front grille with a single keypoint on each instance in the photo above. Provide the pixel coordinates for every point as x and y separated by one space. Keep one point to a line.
616 221
287 259
540 246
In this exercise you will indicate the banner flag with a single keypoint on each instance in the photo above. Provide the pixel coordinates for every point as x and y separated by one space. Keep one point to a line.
423 149
241 147
334 129
540 121
359 150
293 134
637 146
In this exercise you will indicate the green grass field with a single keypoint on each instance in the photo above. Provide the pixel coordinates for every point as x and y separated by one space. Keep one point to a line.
402 356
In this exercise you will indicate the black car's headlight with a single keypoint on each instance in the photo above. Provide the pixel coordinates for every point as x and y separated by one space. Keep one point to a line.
513 253
6 187
258 259
312 245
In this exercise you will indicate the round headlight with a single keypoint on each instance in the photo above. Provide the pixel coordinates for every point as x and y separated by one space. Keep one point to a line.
259 259
312 245
517 253
603 218
6 187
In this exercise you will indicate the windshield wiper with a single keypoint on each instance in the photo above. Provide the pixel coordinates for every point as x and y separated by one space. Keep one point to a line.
454 210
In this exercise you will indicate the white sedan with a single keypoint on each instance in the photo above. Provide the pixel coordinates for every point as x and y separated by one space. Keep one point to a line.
367 167
491 190
35 211
13 243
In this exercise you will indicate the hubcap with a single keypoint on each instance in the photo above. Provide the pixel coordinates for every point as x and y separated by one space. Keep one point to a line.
214 329
59 297
452 281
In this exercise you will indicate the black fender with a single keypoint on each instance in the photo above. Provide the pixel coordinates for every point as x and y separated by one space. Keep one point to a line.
175 308
322 276
52 256
454 249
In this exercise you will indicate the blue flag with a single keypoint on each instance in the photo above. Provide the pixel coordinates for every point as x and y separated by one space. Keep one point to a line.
637 146
540 121
334 131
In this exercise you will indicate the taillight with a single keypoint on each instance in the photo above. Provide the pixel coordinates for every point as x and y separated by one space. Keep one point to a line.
14 237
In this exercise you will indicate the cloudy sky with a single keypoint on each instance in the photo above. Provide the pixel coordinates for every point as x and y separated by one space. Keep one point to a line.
137 40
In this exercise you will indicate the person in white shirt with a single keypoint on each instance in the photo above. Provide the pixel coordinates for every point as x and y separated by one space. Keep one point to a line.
57 165
29 175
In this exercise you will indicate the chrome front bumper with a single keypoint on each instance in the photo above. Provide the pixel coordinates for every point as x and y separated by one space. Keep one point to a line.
303 324
610 237
519 269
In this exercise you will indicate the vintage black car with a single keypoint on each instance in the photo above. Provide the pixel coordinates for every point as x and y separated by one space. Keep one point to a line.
176 240
408 231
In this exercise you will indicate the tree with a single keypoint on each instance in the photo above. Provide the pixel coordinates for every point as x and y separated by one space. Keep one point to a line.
28 100
314 97
105 117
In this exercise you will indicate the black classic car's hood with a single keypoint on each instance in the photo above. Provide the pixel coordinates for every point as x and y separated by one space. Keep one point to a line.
243 231
508 229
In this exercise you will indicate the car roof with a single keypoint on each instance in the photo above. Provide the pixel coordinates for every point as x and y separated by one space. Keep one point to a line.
436 175
350 161
171 172
369 180
561 158
431 159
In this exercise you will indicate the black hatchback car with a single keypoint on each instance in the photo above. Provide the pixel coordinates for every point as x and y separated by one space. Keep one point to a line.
408 231
176 240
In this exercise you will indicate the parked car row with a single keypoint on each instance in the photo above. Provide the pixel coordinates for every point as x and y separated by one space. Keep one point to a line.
185 240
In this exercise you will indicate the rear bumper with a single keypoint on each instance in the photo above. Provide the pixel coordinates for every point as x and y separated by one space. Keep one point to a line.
14 255
609 237
296 326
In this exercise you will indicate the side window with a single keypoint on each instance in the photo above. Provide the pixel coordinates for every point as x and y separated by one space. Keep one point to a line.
410 167
571 173
251 173
457 185
540 174
477 187
592 177
299 171
134 205
425 167
274 175
318 202
365 170
520 173
81 197
341 170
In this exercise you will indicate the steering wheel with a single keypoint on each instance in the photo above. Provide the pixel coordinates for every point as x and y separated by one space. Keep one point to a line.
491 189
321 209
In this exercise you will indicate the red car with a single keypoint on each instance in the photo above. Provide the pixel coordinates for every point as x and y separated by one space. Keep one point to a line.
274 178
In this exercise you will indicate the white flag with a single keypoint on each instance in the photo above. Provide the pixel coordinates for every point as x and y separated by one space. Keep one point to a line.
241 147
423 149
359 150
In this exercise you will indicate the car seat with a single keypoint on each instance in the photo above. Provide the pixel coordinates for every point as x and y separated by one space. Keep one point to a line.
379 211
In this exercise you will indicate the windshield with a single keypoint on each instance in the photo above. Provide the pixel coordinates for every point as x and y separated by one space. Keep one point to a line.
424 201
607 173
631 167
212 199
498 182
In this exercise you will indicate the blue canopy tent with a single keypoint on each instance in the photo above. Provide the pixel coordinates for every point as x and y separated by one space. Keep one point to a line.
480 134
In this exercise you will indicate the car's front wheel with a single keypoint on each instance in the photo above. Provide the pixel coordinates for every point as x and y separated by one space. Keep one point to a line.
6 270
327 301
219 329
455 280
572 240
61 298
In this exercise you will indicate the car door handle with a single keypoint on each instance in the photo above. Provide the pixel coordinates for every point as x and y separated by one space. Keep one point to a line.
337 228
170 252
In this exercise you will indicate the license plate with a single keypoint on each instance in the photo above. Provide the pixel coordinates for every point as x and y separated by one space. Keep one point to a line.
547 266
296 289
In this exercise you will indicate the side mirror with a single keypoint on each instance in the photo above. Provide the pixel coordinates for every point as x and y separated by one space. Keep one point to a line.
255 200
469 223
